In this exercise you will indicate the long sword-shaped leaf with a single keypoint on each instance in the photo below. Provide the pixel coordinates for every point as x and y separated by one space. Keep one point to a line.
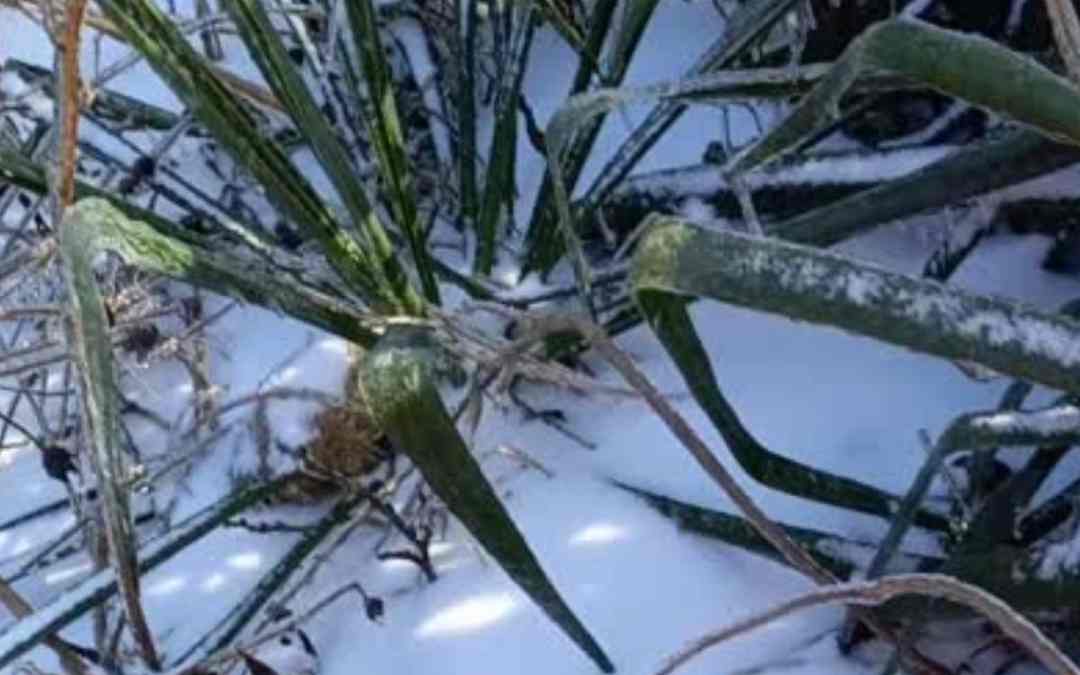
266 48
499 183
384 127
93 357
465 36
30 175
250 280
668 317
968 173
951 62
835 553
372 273
810 285
397 385
542 233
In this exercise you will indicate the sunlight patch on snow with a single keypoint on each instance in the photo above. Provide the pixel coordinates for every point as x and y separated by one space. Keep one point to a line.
8 456
21 546
284 376
441 549
469 615
166 586
333 345
599 533
214 582
246 561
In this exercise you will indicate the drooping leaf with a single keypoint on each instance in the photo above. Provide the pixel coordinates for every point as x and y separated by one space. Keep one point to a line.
251 280
951 62
811 285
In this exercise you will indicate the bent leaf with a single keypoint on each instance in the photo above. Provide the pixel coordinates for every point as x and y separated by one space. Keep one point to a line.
811 285
251 280
954 63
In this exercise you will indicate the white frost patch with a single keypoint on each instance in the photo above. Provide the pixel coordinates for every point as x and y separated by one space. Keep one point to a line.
696 210
59 576
1035 336
1063 557
1056 420
847 168
214 582
246 561
599 533
470 615
861 288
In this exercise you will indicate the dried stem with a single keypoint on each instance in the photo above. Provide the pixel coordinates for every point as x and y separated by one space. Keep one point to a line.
875 593
1066 34
542 325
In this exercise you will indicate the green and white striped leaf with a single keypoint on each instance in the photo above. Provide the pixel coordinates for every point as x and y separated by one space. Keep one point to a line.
385 129
374 274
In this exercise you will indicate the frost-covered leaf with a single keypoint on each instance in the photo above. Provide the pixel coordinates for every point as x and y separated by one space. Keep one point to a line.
952 62
252 280
810 285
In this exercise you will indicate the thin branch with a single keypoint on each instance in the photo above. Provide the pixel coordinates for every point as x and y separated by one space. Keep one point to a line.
1066 34
875 593
542 325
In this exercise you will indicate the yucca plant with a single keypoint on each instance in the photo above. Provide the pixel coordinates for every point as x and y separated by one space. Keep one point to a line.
678 262
382 288
370 295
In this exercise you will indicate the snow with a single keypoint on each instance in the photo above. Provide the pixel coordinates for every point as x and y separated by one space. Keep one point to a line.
843 403
1046 423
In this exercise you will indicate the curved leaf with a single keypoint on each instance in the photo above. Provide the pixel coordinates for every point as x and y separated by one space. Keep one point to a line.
952 62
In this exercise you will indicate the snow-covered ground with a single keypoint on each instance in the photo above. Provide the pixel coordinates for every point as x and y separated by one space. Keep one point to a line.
644 588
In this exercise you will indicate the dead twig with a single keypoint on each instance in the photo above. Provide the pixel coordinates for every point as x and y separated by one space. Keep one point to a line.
538 326
1066 34
877 592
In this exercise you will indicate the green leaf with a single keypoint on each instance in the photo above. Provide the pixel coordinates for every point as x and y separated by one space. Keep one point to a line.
805 284
398 386
372 273
951 62
667 315
968 173
499 184
251 280
465 13
542 232
830 551
385 129
93 359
